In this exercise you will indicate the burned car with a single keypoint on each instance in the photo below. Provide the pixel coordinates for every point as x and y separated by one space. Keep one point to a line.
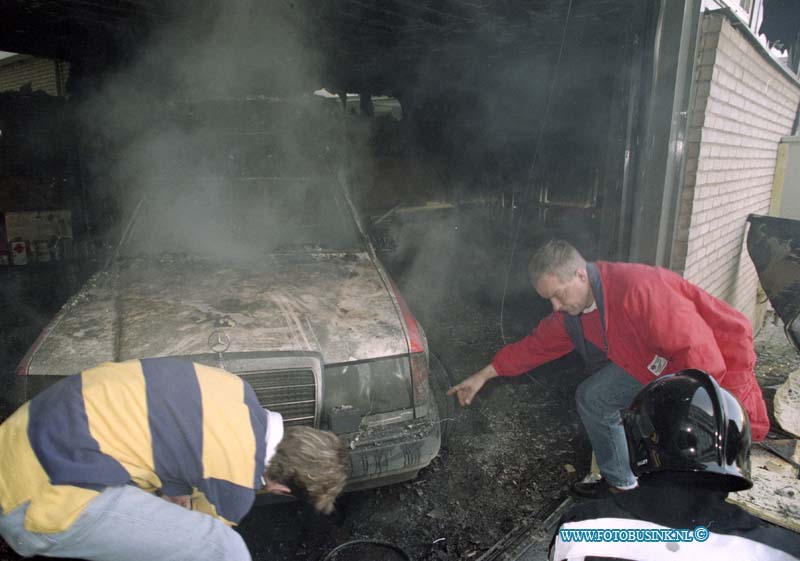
268 275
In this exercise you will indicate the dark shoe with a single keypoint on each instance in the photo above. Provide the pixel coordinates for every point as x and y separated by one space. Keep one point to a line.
599 489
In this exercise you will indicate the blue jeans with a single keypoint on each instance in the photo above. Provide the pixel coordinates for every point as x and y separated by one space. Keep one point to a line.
128 524
599 399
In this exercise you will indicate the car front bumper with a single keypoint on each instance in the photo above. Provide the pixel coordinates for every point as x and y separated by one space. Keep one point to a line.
385 455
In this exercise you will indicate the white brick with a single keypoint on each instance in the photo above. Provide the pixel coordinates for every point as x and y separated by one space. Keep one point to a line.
713 23
707 56
747 106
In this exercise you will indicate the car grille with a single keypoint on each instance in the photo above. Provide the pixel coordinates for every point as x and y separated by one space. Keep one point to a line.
286 382
292 393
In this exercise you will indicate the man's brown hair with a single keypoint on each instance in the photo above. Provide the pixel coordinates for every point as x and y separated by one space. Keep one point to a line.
556 257
314 464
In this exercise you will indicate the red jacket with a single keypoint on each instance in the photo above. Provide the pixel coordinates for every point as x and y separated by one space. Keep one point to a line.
651 313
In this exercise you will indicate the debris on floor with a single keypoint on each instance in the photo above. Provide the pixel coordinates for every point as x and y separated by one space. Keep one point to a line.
775 496
787 404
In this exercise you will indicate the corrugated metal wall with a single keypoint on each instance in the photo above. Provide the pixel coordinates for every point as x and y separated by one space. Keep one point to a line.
42 74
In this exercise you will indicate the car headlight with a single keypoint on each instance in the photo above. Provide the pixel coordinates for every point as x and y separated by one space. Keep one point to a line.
375 392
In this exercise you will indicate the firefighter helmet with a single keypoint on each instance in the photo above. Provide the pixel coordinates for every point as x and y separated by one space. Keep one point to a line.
685 422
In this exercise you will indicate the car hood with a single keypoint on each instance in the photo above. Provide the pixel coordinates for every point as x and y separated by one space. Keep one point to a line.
336 304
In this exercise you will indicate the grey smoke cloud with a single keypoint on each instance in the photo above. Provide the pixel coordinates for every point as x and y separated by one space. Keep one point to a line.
213 137
475 110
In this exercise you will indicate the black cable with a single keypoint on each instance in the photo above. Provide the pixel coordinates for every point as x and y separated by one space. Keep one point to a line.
534 163
448 410
445 370
328 556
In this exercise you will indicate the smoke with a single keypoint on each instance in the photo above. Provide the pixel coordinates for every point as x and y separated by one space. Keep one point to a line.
211 138
515 116
513 113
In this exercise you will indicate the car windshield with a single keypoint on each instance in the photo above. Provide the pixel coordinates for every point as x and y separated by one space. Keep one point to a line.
240 178
235 217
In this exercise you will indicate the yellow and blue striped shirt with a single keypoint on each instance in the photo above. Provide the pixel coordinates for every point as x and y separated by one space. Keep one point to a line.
162 424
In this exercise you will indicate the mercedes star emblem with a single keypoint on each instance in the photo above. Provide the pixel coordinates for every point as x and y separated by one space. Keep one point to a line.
219 341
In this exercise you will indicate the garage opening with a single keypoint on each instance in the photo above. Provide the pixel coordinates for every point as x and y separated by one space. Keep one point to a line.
464 132
474 127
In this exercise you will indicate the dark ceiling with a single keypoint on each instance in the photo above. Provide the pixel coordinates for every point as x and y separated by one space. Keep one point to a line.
71 29
362 45
377 46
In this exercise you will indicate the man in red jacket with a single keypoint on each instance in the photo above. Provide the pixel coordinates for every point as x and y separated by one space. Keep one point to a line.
630 323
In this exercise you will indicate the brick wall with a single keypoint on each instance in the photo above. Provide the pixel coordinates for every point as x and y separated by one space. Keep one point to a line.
43 74
743 105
